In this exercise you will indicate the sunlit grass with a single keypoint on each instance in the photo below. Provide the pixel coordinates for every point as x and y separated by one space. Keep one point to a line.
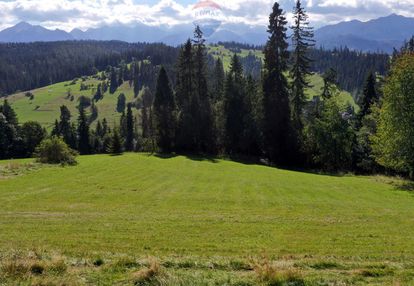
194 211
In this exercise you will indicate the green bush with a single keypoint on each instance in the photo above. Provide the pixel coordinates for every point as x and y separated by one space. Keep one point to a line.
55 151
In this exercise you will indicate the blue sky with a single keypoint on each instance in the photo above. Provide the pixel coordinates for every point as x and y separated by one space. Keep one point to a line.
83 14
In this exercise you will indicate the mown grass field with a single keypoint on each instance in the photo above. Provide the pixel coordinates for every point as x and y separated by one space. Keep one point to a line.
45 106
204 222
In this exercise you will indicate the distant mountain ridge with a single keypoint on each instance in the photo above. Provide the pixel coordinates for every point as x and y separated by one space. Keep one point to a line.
24 32
382 34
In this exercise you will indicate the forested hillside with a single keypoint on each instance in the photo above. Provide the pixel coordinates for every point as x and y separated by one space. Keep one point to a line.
29 66
33 65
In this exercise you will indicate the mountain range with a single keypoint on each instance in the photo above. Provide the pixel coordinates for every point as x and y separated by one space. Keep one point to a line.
382 34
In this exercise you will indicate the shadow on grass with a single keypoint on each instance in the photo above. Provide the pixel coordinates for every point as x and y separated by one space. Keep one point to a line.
253 160
198 158
338 174
406 186
116 155
246 160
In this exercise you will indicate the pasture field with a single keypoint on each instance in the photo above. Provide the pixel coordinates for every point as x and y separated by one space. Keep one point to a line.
141 219
45 106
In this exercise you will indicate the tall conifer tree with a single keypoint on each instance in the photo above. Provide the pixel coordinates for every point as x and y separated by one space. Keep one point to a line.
277 123
234 109
83 133
129 138
164 113
201 105
185 89
9 113
218 81
369 95
147 100
136 79
302 40
114 81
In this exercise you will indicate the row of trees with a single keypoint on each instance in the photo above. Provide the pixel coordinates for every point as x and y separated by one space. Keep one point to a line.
16 140
273 118
27 66
240 115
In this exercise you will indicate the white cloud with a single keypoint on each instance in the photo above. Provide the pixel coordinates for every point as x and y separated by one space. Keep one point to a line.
83 14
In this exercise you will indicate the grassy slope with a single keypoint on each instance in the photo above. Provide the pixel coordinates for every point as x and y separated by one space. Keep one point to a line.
45 106
211 210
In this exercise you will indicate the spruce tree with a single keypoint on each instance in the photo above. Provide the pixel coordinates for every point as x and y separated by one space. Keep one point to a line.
116 143
114 81
201 105
123 126
217 104
164 113
369 95
105 127
147 101
302 40
99 93
8 134
120 76
329 84
185 89
9 113
129 138
121 103
99 129
136 79
56 130
366 126
234 110
252 138
65 128
276 110
94 113
218 81
83 133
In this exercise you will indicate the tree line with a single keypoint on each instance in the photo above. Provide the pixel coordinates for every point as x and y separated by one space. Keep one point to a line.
26 66
199 108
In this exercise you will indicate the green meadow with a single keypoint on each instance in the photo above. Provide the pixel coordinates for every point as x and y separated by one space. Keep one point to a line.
45 106
141 219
